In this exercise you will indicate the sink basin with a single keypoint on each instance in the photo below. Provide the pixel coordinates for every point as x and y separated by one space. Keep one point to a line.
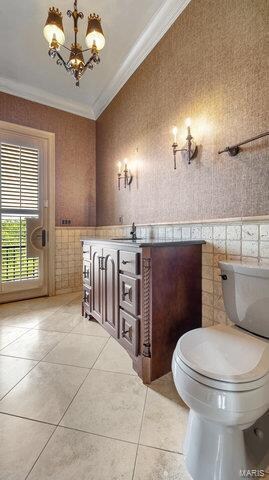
126 239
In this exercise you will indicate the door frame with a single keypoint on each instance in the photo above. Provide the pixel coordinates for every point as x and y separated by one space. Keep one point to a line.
49 137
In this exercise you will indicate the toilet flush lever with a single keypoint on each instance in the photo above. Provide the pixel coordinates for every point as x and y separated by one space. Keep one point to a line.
223 276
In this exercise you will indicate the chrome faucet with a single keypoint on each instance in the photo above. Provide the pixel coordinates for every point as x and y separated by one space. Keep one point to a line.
133 232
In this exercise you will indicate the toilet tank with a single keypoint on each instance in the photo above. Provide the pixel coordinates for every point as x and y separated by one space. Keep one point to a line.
245 290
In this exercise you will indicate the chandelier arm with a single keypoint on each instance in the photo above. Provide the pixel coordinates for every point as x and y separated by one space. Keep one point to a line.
61 61
66 48
90 62
86 50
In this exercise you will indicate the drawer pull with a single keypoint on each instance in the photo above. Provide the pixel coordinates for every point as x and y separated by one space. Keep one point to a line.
124 262
86 297
124 332
101 263
85 252
86 272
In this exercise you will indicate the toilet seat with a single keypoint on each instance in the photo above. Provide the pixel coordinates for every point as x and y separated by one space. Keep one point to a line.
224 357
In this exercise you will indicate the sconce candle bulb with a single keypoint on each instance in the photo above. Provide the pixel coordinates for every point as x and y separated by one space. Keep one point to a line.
175 134
188 122
190 147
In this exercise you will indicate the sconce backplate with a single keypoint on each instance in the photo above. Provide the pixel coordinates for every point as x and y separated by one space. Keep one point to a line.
190 151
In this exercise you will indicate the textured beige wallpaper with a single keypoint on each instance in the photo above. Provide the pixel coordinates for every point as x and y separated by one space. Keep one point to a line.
75 155
211 66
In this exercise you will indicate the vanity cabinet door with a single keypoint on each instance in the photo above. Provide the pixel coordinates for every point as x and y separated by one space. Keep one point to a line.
129 333
129 294
110 291
96 278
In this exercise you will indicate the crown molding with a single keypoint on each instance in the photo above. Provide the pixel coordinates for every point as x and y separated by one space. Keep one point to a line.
153 33
41 96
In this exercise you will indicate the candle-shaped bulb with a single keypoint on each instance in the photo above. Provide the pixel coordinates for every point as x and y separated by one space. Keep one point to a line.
119 168
175 134
125 165
188 122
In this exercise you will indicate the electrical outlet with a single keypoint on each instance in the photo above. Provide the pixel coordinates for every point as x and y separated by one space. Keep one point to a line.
65 221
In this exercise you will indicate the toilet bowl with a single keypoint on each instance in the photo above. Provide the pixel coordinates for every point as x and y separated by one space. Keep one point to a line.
222 374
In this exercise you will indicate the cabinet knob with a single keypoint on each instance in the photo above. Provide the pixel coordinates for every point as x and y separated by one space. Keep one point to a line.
124 262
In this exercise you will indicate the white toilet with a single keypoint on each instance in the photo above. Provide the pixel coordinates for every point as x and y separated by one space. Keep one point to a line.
222 374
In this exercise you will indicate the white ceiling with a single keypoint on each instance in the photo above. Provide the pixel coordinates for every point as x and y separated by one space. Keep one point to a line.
131 27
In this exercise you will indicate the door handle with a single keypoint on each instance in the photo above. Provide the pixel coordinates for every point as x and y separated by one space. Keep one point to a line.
43 237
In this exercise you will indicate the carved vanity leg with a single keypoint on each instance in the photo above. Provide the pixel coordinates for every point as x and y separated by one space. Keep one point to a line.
146 320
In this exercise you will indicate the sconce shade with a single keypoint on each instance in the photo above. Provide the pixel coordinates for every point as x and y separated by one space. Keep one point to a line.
76 56
94 37
53 29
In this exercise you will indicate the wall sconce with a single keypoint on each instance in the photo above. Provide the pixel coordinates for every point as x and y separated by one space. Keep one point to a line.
124 174
190 147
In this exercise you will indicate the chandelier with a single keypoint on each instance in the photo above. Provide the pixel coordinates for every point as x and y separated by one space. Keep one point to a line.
95 41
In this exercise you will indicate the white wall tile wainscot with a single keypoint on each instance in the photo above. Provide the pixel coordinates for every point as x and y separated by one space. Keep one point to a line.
68 258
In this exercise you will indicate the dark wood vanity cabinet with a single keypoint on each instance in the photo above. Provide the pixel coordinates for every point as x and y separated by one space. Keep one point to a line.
146 295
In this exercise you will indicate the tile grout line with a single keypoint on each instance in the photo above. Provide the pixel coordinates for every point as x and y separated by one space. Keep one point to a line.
15 338
20 379
140 430
56 426
41 359
42 450
88 433
29 419
38 361
82 383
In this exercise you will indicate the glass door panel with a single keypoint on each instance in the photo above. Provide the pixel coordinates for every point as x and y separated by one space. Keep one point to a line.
22 186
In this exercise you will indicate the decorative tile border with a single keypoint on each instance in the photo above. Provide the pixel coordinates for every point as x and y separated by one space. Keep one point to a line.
234 239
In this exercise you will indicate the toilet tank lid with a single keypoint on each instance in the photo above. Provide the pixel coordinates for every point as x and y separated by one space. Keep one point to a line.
250 269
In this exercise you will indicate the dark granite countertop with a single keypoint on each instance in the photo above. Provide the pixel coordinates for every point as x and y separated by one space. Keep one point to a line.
142 242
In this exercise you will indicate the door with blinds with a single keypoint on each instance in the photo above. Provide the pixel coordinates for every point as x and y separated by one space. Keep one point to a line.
24 215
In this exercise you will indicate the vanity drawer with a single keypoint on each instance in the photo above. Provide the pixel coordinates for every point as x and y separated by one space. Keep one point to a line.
129 293
86 249
86 272
129 332
129 262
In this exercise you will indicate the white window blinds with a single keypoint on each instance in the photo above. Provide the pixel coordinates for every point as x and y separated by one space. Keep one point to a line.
19 198
19 173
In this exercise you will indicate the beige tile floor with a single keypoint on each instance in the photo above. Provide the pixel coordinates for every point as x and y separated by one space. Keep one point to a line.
72 407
